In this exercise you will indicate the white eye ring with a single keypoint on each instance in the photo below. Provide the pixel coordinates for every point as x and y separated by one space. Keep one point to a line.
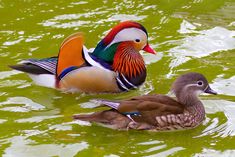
200 83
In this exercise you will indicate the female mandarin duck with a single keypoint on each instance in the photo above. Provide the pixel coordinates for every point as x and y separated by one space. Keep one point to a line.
115 65
157 112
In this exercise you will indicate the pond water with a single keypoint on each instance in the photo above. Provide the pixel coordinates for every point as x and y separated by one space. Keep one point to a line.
189 35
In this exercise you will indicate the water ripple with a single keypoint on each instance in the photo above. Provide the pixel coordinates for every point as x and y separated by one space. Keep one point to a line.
11 83
2 121
28 103
15 109
193 32
124 17
21 146
224 86
8 43
167 152
204 44
215 153
62 21
36 119
6 74
219 126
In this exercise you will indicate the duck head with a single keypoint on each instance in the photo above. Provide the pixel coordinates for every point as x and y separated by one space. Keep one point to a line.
131 32
191 85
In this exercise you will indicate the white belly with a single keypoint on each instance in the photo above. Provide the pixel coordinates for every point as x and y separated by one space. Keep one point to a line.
46 80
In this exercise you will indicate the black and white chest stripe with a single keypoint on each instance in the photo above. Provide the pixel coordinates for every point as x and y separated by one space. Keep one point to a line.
123 83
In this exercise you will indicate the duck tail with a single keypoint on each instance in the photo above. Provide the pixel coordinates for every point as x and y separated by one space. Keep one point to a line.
37 66
98 117
102 102
85 117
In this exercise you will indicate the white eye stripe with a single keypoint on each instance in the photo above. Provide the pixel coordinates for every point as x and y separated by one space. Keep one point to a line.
129 34
190 85
193 85
196 85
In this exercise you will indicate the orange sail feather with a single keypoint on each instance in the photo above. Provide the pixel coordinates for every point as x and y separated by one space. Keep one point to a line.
70 52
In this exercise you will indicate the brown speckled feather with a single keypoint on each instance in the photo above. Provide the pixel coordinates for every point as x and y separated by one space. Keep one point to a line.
157 112
149 110
109 118
161 103
149 107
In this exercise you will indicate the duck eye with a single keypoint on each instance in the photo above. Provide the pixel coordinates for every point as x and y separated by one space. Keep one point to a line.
137 40
200 83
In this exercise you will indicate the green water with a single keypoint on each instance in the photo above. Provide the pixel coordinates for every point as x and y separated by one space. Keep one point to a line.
189 35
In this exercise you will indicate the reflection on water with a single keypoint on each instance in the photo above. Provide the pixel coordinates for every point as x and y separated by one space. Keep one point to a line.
201 45
35 119
218 126
2 121
211 152
194 35
225 86
21 146
6 74
226 128
167 152
25 101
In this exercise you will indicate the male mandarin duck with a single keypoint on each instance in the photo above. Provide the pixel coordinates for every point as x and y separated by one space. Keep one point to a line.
115 65
157 112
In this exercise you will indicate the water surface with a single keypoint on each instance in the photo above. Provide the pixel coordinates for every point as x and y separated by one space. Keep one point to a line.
189 35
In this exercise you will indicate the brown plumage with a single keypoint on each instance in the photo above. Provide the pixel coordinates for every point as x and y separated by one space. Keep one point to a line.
157 112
